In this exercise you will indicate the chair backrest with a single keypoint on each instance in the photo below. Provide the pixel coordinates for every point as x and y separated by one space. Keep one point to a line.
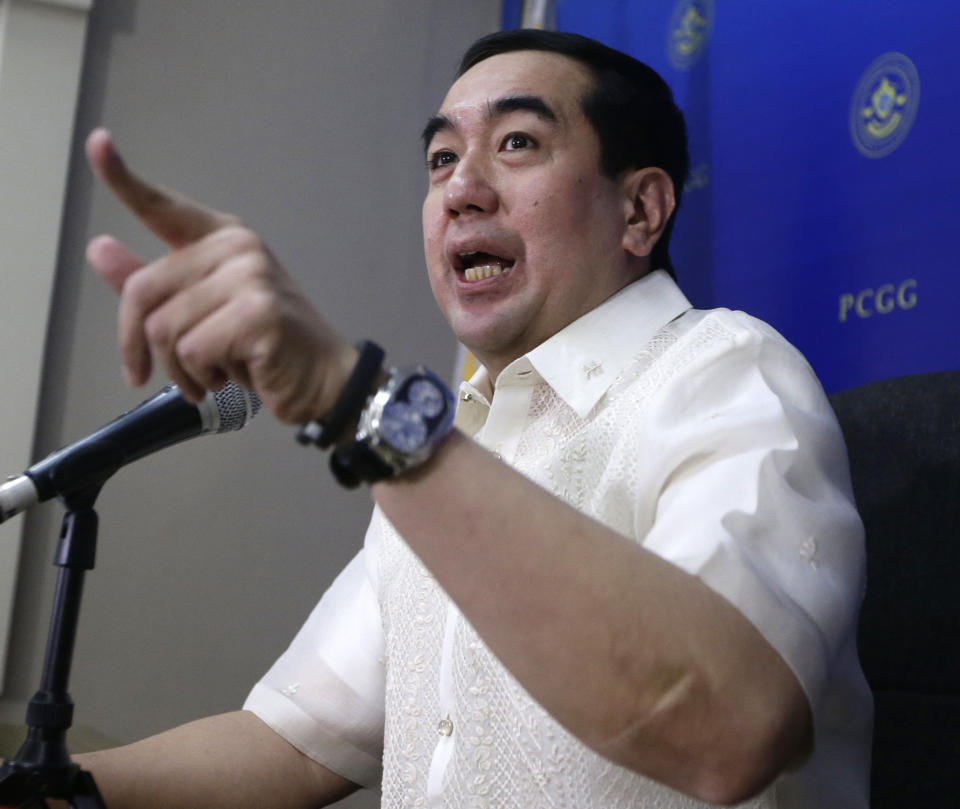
903 437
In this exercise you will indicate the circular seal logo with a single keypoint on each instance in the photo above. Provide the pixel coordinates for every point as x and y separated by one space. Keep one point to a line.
689 31
884 105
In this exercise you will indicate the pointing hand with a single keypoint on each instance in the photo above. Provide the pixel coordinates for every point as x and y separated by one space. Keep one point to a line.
217 306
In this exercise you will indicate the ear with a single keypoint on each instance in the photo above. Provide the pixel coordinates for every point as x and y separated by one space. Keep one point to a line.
649 201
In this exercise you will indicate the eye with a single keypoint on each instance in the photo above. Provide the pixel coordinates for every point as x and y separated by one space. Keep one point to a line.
518 140
440 158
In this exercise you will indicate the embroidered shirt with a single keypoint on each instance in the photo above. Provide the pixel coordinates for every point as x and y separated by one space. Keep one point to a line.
702 435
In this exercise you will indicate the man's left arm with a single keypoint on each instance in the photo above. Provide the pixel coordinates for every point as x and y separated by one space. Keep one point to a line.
640 660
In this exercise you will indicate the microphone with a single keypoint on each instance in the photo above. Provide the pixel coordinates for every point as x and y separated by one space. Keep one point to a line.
161 421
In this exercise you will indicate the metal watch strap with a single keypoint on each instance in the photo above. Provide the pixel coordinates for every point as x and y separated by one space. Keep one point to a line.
355 463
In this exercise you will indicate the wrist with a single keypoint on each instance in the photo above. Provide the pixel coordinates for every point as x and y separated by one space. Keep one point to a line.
360 370
383 424
349 433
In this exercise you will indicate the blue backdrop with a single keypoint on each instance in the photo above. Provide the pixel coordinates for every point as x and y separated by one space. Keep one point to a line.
825 170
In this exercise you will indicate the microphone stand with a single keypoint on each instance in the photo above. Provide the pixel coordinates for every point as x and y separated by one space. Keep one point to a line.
42 767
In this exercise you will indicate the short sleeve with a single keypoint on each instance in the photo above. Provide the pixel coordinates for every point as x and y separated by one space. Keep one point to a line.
325 694
756 498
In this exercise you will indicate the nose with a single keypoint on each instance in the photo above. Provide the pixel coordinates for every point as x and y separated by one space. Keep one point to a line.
469 189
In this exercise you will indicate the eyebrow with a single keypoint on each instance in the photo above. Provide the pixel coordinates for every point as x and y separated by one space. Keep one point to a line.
500 107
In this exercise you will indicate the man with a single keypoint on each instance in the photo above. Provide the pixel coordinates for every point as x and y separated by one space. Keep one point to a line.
658 608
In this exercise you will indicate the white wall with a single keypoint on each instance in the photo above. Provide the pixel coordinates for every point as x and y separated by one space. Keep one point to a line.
41 50
303 117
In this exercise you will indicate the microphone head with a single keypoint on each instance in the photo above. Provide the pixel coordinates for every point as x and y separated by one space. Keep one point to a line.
229 408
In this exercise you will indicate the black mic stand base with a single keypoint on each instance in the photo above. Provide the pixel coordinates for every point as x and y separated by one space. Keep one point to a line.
42 767
27 788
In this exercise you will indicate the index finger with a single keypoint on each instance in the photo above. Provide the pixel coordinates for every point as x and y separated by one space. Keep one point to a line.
174 218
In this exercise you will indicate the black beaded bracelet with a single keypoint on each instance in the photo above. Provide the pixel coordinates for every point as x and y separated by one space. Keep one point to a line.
351 401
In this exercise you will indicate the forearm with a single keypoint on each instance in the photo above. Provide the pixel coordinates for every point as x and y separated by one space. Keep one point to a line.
637 658
232 761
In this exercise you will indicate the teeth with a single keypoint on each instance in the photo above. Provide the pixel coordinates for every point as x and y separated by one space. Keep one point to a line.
481 272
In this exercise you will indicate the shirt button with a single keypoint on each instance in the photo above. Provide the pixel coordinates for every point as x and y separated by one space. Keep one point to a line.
445 726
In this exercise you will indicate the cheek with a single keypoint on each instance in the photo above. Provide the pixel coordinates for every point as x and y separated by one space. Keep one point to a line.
438 288
432 231
552 225
433 250
425 218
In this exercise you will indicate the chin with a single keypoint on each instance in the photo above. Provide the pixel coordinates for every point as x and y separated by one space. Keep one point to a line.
491 331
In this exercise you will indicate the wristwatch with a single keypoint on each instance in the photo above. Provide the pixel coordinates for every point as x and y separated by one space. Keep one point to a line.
401 425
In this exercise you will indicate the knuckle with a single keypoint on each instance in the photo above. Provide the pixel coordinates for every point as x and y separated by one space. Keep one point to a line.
239 239
258 307
248 267
138 290
158 330
262 302
282 411
230 220
288 411
190 353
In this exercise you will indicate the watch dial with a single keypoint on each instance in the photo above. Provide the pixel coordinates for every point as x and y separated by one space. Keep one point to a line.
426 398
403 427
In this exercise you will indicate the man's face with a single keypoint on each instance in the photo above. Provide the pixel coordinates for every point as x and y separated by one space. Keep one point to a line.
522 233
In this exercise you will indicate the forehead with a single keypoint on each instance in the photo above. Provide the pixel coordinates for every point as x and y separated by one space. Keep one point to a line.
559 80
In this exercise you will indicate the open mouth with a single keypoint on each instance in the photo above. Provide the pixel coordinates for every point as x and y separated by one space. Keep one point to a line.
478 265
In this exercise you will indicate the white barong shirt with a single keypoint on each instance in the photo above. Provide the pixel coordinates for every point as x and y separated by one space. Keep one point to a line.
704 436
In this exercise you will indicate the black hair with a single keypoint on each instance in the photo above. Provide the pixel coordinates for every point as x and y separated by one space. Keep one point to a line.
630 106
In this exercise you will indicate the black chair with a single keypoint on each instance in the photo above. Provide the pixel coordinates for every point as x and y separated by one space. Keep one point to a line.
903 437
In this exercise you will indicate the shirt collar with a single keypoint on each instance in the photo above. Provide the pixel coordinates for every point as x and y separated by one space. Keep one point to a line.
583 359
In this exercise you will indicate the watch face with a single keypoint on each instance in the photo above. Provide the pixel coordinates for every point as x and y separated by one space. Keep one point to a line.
403 427
426 398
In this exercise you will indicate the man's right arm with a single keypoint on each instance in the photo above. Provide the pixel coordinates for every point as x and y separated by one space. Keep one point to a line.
232 760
